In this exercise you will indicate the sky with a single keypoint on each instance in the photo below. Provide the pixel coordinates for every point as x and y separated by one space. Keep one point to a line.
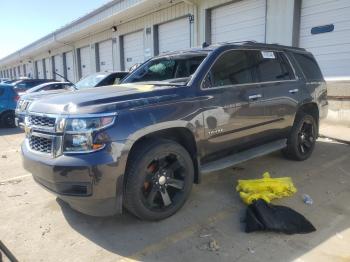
24 21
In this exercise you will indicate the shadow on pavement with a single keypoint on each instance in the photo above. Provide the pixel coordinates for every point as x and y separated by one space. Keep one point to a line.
127 236
10 131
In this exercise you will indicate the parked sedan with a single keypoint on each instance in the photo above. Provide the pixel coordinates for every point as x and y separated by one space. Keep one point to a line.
22 85
50 87
93 80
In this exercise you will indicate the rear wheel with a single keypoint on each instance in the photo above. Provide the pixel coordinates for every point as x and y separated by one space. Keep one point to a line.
302 139
159 179
8 119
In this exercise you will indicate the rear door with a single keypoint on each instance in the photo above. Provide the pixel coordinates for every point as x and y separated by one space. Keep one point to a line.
281 90
3 99
233 112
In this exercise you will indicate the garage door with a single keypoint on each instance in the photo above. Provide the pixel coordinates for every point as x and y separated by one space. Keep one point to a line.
331 49
30 70
174 35
40 69
70 66
244 20
48 68
133 49
105 51
58 66
85 61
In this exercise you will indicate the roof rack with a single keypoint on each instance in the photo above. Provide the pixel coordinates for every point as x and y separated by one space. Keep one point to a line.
255 43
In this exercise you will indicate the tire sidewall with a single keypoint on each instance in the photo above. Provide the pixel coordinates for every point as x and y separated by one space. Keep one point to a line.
135 179
4 120
294 144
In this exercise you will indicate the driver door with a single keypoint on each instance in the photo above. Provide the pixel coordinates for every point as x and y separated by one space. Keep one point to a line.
233 112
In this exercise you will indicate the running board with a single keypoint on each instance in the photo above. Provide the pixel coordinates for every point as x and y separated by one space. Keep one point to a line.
249 154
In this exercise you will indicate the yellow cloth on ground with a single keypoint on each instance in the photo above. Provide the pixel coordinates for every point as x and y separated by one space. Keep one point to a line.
266 188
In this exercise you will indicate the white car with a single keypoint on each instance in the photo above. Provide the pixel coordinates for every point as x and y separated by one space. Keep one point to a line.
50 86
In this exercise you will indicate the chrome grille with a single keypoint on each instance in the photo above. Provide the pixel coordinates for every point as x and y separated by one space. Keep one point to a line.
40 144
42 121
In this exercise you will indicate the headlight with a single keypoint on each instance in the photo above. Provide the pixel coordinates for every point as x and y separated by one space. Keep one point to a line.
88 124
80 133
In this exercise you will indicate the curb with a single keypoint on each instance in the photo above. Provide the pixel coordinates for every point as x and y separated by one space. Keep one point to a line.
336 139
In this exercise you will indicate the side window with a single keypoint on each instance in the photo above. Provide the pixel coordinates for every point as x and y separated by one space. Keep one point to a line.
309 67
32 84
232 68
272 66
1 91
57 87
109 80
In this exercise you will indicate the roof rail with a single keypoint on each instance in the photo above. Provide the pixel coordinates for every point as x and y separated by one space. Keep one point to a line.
259 44
237 42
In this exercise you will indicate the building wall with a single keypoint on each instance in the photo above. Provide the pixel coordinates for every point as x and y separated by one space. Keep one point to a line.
282 26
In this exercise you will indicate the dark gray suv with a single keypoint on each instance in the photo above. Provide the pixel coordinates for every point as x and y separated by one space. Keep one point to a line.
142 144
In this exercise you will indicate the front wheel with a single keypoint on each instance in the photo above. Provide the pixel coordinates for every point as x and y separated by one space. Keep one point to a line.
302 139
159 179
8 119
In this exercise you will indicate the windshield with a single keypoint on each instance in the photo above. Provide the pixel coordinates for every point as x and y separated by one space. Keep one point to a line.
90 80
169 69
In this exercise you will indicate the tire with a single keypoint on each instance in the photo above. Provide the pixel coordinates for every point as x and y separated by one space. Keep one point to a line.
302 138
7 119
158 171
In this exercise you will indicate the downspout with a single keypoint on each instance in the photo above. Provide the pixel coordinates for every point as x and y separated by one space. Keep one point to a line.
194 33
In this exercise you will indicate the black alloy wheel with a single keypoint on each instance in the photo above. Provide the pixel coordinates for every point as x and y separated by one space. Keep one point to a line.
302 138
158 179
306 137
8 119
164 182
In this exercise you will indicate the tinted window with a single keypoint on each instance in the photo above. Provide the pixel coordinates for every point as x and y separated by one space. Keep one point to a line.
309 66
169 69
232 68
53 87
272 66
1 91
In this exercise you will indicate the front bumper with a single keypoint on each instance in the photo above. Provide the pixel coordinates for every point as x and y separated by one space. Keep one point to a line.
89 183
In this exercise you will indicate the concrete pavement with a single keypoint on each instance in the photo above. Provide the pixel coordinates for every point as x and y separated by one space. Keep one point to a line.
37 227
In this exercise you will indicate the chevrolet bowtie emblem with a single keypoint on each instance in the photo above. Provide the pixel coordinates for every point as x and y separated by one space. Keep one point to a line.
27 130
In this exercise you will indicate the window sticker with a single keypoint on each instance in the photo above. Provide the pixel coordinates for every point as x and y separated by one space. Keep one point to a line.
268 55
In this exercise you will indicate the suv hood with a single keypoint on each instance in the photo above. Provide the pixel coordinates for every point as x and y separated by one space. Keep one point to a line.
105 99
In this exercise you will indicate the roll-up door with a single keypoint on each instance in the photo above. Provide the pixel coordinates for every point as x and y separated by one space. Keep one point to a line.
85 61
30 70
240 21
58 66
325 31
70 66
174 35
133 49
105 51
48 68
40 69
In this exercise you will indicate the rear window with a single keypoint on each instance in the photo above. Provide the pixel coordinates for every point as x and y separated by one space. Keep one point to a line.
272 66
309 67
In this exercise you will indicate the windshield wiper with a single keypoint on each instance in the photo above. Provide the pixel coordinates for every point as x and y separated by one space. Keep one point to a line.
74 86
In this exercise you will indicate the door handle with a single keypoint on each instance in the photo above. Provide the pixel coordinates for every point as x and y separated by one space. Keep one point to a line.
293 91
255 97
